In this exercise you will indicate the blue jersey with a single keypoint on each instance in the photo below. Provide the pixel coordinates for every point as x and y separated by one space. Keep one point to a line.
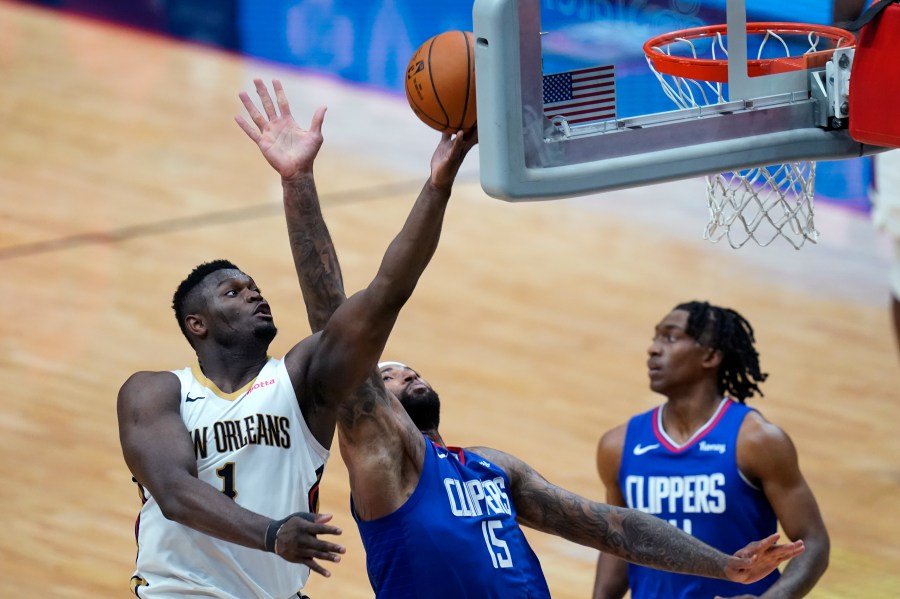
697 487
455 537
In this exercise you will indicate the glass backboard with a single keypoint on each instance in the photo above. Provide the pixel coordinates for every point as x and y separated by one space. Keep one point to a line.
567 104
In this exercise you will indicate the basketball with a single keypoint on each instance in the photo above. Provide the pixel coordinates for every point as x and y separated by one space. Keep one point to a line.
440 81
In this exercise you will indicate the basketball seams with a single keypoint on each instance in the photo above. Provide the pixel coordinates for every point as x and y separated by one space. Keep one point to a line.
420 110
437 97
445 101
469 57
422 114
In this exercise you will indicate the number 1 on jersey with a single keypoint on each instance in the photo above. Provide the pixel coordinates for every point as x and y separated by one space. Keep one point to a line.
226 473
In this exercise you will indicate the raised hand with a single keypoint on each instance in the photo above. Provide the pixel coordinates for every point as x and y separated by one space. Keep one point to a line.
759 558
449 155
297 541
290 149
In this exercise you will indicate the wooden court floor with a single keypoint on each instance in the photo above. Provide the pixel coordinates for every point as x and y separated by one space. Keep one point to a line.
121 169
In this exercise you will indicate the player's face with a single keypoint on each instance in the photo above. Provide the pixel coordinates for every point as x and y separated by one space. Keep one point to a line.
237 308
415 394
675 359
402 379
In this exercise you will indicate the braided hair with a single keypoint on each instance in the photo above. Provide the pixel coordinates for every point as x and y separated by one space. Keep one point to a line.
725 330
190 283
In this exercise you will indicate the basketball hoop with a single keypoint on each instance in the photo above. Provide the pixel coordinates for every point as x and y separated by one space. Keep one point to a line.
691 65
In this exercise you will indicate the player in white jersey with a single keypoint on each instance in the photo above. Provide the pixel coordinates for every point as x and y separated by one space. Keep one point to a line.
228 453
252 445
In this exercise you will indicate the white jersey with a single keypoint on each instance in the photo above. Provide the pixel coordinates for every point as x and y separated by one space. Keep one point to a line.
255 447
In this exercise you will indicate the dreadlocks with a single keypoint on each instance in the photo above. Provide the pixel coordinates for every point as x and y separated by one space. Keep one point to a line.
190 283
725 330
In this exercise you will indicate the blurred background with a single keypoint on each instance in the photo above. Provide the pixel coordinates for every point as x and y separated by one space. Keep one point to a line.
121 169
370 42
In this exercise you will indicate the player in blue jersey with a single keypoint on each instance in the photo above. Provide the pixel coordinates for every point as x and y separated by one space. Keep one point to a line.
445 522
708 464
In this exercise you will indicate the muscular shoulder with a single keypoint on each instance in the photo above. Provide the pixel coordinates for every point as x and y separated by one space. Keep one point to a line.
510 464
763 447
487 452
148 390
157 380
375 427
298 358
612 440
609 454
757 432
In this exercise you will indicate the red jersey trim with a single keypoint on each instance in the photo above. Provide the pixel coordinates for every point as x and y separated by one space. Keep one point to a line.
661 436
458 451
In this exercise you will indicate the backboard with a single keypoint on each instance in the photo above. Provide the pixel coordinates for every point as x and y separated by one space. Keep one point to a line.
628 133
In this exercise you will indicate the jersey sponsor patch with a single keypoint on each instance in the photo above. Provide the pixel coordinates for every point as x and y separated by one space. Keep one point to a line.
716 447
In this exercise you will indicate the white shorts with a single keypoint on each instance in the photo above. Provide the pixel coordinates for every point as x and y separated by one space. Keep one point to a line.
895 270
886 194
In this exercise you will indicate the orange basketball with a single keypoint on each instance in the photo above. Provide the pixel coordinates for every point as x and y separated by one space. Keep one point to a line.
440 81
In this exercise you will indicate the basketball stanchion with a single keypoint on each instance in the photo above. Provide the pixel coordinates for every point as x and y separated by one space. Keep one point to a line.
761 203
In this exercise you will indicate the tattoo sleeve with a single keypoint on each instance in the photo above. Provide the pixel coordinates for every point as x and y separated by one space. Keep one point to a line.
629 534
315 259
364 408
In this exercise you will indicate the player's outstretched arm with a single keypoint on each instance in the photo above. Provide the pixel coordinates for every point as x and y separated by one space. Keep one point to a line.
354 338
292 150
630 534
159 452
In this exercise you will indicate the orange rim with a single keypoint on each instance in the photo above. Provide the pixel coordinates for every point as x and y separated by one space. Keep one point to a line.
716 70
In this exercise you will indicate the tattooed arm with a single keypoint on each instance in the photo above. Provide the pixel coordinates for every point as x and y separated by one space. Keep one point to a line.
382 449
315 259
292 150
630 534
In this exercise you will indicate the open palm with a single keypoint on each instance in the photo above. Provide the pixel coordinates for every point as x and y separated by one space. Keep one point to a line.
290 149
759 558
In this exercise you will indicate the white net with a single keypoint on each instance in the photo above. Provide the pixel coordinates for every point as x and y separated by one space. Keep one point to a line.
759 204
762 204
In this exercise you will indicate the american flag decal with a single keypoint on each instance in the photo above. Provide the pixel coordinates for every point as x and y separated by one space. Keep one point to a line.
582 95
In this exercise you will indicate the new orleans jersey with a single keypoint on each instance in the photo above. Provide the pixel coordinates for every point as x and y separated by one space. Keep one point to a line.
698 488
255 447
455 537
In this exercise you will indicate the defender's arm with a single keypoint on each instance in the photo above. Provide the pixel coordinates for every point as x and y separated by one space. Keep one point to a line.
630 534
